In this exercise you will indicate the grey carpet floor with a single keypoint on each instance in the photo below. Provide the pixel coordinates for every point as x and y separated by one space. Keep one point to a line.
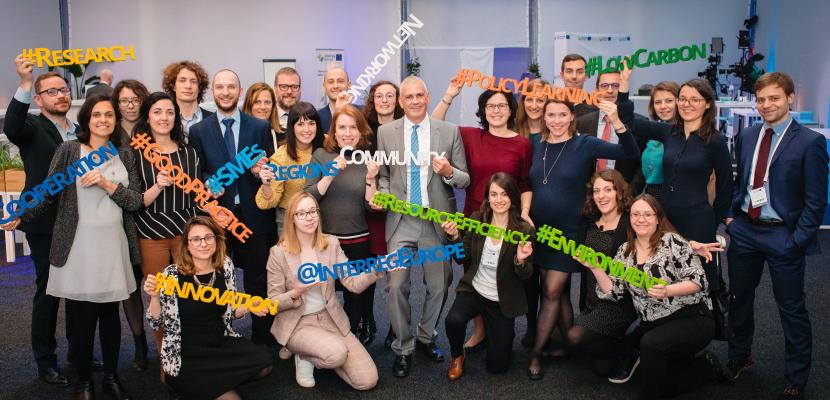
569 378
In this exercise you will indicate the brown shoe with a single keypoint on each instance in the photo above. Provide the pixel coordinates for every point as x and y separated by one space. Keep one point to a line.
456 368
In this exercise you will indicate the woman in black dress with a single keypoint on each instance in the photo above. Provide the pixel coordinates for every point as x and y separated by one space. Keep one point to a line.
693 148
202 356
601 326
562 162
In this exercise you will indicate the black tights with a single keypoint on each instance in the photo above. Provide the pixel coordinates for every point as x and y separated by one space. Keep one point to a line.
134 307
556 307
85 317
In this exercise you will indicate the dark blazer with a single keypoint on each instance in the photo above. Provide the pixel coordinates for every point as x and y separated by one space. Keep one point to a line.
509 276
101 88
797 180
205 113
588 124
325 117
37 138
206 138
130 199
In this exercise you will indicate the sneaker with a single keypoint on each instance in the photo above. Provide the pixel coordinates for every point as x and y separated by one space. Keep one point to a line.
625 371
792 393
736 366
285 353
304 372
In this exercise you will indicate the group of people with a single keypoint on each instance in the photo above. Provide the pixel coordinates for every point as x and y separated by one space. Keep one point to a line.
651 193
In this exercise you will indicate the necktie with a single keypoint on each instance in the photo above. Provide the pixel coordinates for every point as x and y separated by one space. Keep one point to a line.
606 137
229 141
414 170
760 170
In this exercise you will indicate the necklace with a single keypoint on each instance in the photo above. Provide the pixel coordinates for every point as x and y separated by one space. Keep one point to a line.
210 282
544 161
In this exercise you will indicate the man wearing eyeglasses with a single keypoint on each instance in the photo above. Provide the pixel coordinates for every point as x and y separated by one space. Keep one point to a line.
37 137
287 87
609 85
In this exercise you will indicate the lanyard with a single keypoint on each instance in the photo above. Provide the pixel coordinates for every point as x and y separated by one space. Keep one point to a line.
772 152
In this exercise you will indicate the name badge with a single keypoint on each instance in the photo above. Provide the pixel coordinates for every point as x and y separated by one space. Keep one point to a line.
489 258
758 197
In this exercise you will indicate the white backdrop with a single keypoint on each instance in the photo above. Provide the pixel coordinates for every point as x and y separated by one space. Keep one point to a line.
237 34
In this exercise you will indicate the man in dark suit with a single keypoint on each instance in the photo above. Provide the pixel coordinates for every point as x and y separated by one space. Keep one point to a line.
336 84
572 72
779 202
37 137
104 87
217 140
610 85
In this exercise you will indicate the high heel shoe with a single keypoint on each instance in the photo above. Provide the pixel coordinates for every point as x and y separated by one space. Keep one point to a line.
533 374
366 334
140 358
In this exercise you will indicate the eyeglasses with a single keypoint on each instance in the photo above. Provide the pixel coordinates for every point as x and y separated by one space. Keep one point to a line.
207 239
494 107
605 86
695 101
388 96
646 215
286 88
126 102
309 214
52 92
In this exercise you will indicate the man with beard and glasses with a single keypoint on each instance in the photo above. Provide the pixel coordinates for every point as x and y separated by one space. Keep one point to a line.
287 86
37 137
217 140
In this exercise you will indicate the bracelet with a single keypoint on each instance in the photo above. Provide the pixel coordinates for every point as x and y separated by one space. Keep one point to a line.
368 184
443 100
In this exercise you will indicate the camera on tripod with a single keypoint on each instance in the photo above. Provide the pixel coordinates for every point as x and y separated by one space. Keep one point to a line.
744 69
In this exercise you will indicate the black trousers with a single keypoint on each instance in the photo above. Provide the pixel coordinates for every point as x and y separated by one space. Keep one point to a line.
499 328
86 316
533 292
252 256
668 350
357 305
44 307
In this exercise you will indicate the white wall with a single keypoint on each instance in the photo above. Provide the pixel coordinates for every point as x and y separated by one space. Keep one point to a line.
653 24
797 33
237 34
26 24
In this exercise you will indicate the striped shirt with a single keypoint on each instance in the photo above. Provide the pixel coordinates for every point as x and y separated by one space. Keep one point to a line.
166 216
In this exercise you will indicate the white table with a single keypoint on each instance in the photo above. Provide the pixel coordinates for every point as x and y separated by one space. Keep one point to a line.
10 238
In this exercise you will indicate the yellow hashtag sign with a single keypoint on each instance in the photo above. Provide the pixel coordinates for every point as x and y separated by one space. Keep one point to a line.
208 294
81 56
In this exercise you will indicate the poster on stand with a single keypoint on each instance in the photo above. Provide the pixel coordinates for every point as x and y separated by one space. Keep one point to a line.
325 59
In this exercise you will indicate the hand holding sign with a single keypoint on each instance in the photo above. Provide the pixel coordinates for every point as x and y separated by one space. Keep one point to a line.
441 166
163 178
11 225
24 67
151 286
266 174
523 251
256 308
256 168
659 292
451 228
372 169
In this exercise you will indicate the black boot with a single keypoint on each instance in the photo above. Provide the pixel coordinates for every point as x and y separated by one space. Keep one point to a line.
84 390
366 334
112 387
140 358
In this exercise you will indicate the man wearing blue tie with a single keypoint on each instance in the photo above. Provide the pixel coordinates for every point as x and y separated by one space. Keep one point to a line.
779 202
428 183
217 139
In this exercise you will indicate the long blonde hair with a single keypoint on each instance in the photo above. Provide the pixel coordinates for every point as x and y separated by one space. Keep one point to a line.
184 261
288 237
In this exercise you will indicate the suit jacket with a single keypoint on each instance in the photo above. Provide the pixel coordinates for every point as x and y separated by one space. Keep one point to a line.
282 277
325 117
509 276
797 181
101 88
37 138
130 199
443 137
588 124
206 137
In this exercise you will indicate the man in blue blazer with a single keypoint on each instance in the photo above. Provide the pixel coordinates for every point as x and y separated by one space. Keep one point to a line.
217 140
778 205
335 82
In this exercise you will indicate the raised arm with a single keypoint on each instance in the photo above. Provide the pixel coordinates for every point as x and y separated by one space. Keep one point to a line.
627 149
453 90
